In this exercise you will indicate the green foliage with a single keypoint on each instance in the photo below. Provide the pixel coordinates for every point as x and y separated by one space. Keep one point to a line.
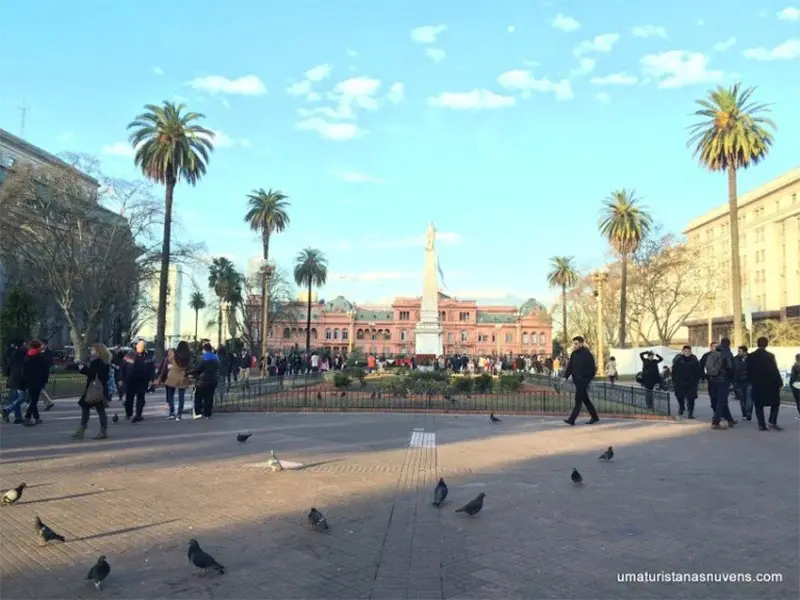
356 358
483 383
358 374
341 380
17 317
422 376
463 385
511 382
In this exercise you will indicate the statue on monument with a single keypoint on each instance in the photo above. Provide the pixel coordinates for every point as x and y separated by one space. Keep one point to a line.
430 238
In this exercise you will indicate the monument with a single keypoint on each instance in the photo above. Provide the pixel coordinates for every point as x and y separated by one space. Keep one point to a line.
428 332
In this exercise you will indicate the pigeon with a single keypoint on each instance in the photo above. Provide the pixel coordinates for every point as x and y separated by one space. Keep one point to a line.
494 419
577 479
473 507
440 492
99 571
46 534
608 454
115 418
317 520
203 560
273 462
243 437
11 496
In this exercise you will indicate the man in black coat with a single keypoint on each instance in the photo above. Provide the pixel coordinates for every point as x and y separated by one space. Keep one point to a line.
650 375
35 372
766 382
719 373
12 370
686 375
582 368
137 373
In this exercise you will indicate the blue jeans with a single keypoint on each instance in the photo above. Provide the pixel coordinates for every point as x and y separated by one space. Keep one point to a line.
16 398
721 388
171 399
744 392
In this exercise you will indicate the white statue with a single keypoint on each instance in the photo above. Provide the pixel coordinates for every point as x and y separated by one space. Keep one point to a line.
430 237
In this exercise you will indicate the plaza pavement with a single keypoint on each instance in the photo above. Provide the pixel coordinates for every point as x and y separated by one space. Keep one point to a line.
678 497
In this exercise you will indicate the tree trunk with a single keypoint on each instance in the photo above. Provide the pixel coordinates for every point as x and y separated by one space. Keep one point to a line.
564 314
736 268
308 320
219 325
163 282
81 353
196 318
623 301
264 295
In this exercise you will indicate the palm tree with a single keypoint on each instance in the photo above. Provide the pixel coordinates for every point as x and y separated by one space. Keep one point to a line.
562 274
170 147
197 302
226 283
267 214
310 269
732 133
624 223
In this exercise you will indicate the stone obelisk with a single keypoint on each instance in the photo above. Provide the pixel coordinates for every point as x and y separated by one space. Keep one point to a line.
428 332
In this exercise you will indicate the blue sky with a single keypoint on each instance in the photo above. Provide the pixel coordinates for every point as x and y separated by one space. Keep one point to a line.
505 126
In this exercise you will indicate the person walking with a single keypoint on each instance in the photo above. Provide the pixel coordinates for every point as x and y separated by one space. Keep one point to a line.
794 382
712 347
582 368
34 376
177 379
650 375
49 358
719 373
741 383
206 378
686 375
766 382
137 373
611 370
97 393
15 360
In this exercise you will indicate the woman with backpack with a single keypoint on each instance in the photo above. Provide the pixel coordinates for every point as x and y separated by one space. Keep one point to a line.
96 394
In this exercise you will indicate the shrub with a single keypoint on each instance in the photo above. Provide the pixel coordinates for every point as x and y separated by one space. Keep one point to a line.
341 380
483 383
510 383
463 385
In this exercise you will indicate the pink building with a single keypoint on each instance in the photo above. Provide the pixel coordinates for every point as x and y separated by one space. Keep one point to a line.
341 326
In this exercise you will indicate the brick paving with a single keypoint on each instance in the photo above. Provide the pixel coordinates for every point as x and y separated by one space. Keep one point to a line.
677 497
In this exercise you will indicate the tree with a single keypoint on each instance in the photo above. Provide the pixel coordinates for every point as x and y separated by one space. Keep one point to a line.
17 317
624 223
197 302
225 280
732 133
582 308
563 275
267 215
280 306
310 269
170 147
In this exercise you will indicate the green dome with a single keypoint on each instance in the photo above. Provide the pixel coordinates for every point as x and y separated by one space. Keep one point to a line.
530 306
340 304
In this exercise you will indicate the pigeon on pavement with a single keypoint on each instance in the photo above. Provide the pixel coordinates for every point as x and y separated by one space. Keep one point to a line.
203 560
99 571
473 507
577 479
115 418
440 492
46 534
317 520
12 496
494 419
273 462
243 437
608 454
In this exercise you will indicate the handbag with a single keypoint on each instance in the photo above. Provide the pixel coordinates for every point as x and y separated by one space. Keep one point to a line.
95 394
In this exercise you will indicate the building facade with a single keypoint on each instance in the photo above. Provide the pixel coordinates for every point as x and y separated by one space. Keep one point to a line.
769 250
342 326
172 331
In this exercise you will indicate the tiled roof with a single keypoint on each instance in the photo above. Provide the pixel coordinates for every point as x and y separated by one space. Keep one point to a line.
374 315
486 317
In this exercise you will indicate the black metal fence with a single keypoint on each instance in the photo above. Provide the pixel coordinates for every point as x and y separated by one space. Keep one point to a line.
60 385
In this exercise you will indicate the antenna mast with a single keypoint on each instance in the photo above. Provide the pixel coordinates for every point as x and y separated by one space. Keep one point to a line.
23 114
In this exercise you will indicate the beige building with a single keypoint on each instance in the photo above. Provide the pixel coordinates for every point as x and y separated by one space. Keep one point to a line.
769 247
172 332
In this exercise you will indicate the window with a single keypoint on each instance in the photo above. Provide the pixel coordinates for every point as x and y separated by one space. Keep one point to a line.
287 333
524 337
483 337
387 335
463 316
542 339
360 334
443 316
759 212
328 334
494 338
709 234
336 334
404 315
313 333
509 338
403 335
794 198
345 334
451 337
464 336
760 234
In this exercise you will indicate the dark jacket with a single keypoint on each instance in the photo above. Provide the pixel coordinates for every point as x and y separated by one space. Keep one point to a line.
794 374
49 358
97 368
740 368
138 372
581 367
650 374
13 369
728 370
765 377
206 372
703 360
686 371
34 370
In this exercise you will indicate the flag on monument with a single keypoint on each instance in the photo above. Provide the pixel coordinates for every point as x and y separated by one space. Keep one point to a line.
441 275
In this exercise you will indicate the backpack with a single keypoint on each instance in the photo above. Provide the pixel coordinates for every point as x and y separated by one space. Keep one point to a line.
715 364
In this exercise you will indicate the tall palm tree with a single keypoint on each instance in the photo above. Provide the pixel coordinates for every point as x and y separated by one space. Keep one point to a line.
170 146
224 280
310 269
267 214
197 302
624 223
732 133
564 275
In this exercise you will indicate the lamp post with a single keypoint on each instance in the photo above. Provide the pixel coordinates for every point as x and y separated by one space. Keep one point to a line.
710 297
600 278
267 272
497 327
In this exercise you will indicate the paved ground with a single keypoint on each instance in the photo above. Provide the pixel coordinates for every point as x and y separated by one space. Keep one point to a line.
678 497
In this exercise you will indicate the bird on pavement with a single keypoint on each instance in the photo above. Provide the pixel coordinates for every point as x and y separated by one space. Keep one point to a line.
12 496
608 454
273 462
317 520
115 418
494 419
46 534
99 571
473 507
577 479
243 437
439 492
203 560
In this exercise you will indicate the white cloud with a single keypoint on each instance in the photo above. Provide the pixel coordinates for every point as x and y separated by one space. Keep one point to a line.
585 66
648 31
427 34
615 79
396 93
436 54
312 75
511 29
785 51
158 71
314 97
602 97
301 88
678 68
565 23
601 43
352 53
248 85
372 276
223 140
318 73
353 177
331 131
326 112
356 91
790 13
474 100
525 82
123 149
727 44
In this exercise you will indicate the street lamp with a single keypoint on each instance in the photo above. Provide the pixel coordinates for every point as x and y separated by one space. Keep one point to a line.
267 270
710 297
497 327
600 278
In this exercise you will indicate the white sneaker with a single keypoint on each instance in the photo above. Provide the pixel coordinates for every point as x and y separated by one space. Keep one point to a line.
197 416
